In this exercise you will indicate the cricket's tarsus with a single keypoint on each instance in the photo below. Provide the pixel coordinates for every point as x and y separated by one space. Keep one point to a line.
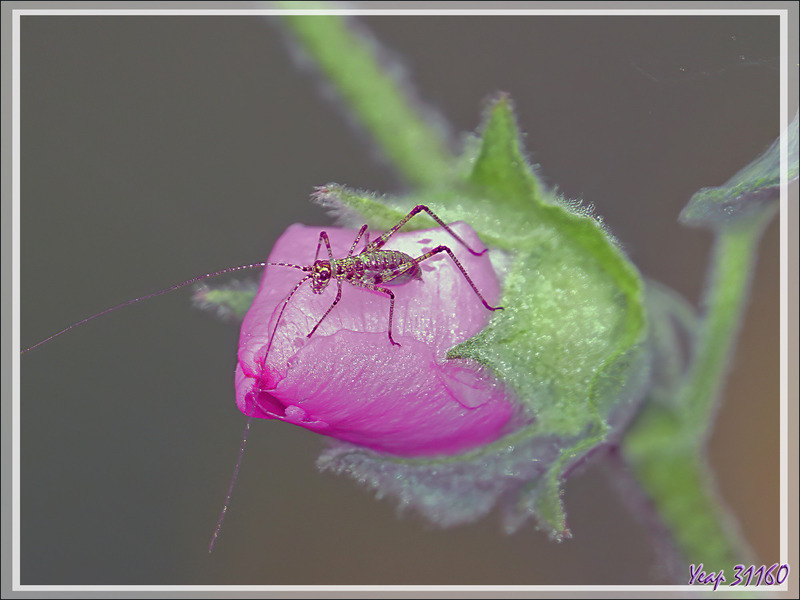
373 268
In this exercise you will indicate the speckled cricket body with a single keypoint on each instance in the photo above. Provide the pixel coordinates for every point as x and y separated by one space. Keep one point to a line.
389 267
373 268
369 270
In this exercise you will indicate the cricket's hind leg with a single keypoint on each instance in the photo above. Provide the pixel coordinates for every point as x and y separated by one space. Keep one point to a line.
379 242
461 268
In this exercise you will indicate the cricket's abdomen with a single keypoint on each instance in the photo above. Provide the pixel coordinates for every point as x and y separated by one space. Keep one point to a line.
388 267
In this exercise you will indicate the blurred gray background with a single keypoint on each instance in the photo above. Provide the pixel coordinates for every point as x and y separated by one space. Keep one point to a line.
158 148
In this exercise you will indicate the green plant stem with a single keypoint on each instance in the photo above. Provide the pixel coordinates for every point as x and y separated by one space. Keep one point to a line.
666 445
732 265
377 99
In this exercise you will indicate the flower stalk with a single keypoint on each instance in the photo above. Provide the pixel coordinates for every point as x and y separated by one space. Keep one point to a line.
732 261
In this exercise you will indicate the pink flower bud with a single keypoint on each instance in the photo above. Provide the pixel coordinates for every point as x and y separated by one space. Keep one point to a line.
348 381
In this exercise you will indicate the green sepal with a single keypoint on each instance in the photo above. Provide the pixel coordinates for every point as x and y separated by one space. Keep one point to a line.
230 301
501 171
574 303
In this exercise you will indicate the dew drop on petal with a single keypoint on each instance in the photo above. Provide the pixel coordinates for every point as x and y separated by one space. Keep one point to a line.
295 414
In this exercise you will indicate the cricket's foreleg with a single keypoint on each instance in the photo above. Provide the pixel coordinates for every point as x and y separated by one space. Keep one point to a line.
280 314
358 237
323 237
461 268
379 242
330 308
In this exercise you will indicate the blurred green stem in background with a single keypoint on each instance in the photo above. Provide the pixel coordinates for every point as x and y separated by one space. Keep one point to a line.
377 99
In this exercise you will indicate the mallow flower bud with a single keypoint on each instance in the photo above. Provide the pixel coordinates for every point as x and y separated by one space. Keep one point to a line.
347 380
476 408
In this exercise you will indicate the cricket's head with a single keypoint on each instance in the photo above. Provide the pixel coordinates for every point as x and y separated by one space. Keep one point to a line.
321 273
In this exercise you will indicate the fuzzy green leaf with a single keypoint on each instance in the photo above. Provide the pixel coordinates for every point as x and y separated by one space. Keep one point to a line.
748 194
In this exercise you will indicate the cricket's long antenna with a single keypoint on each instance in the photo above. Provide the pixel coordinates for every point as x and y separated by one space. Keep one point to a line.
172 288
230 488
250 417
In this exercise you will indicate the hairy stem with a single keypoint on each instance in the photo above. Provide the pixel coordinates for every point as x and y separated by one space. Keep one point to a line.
732 265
